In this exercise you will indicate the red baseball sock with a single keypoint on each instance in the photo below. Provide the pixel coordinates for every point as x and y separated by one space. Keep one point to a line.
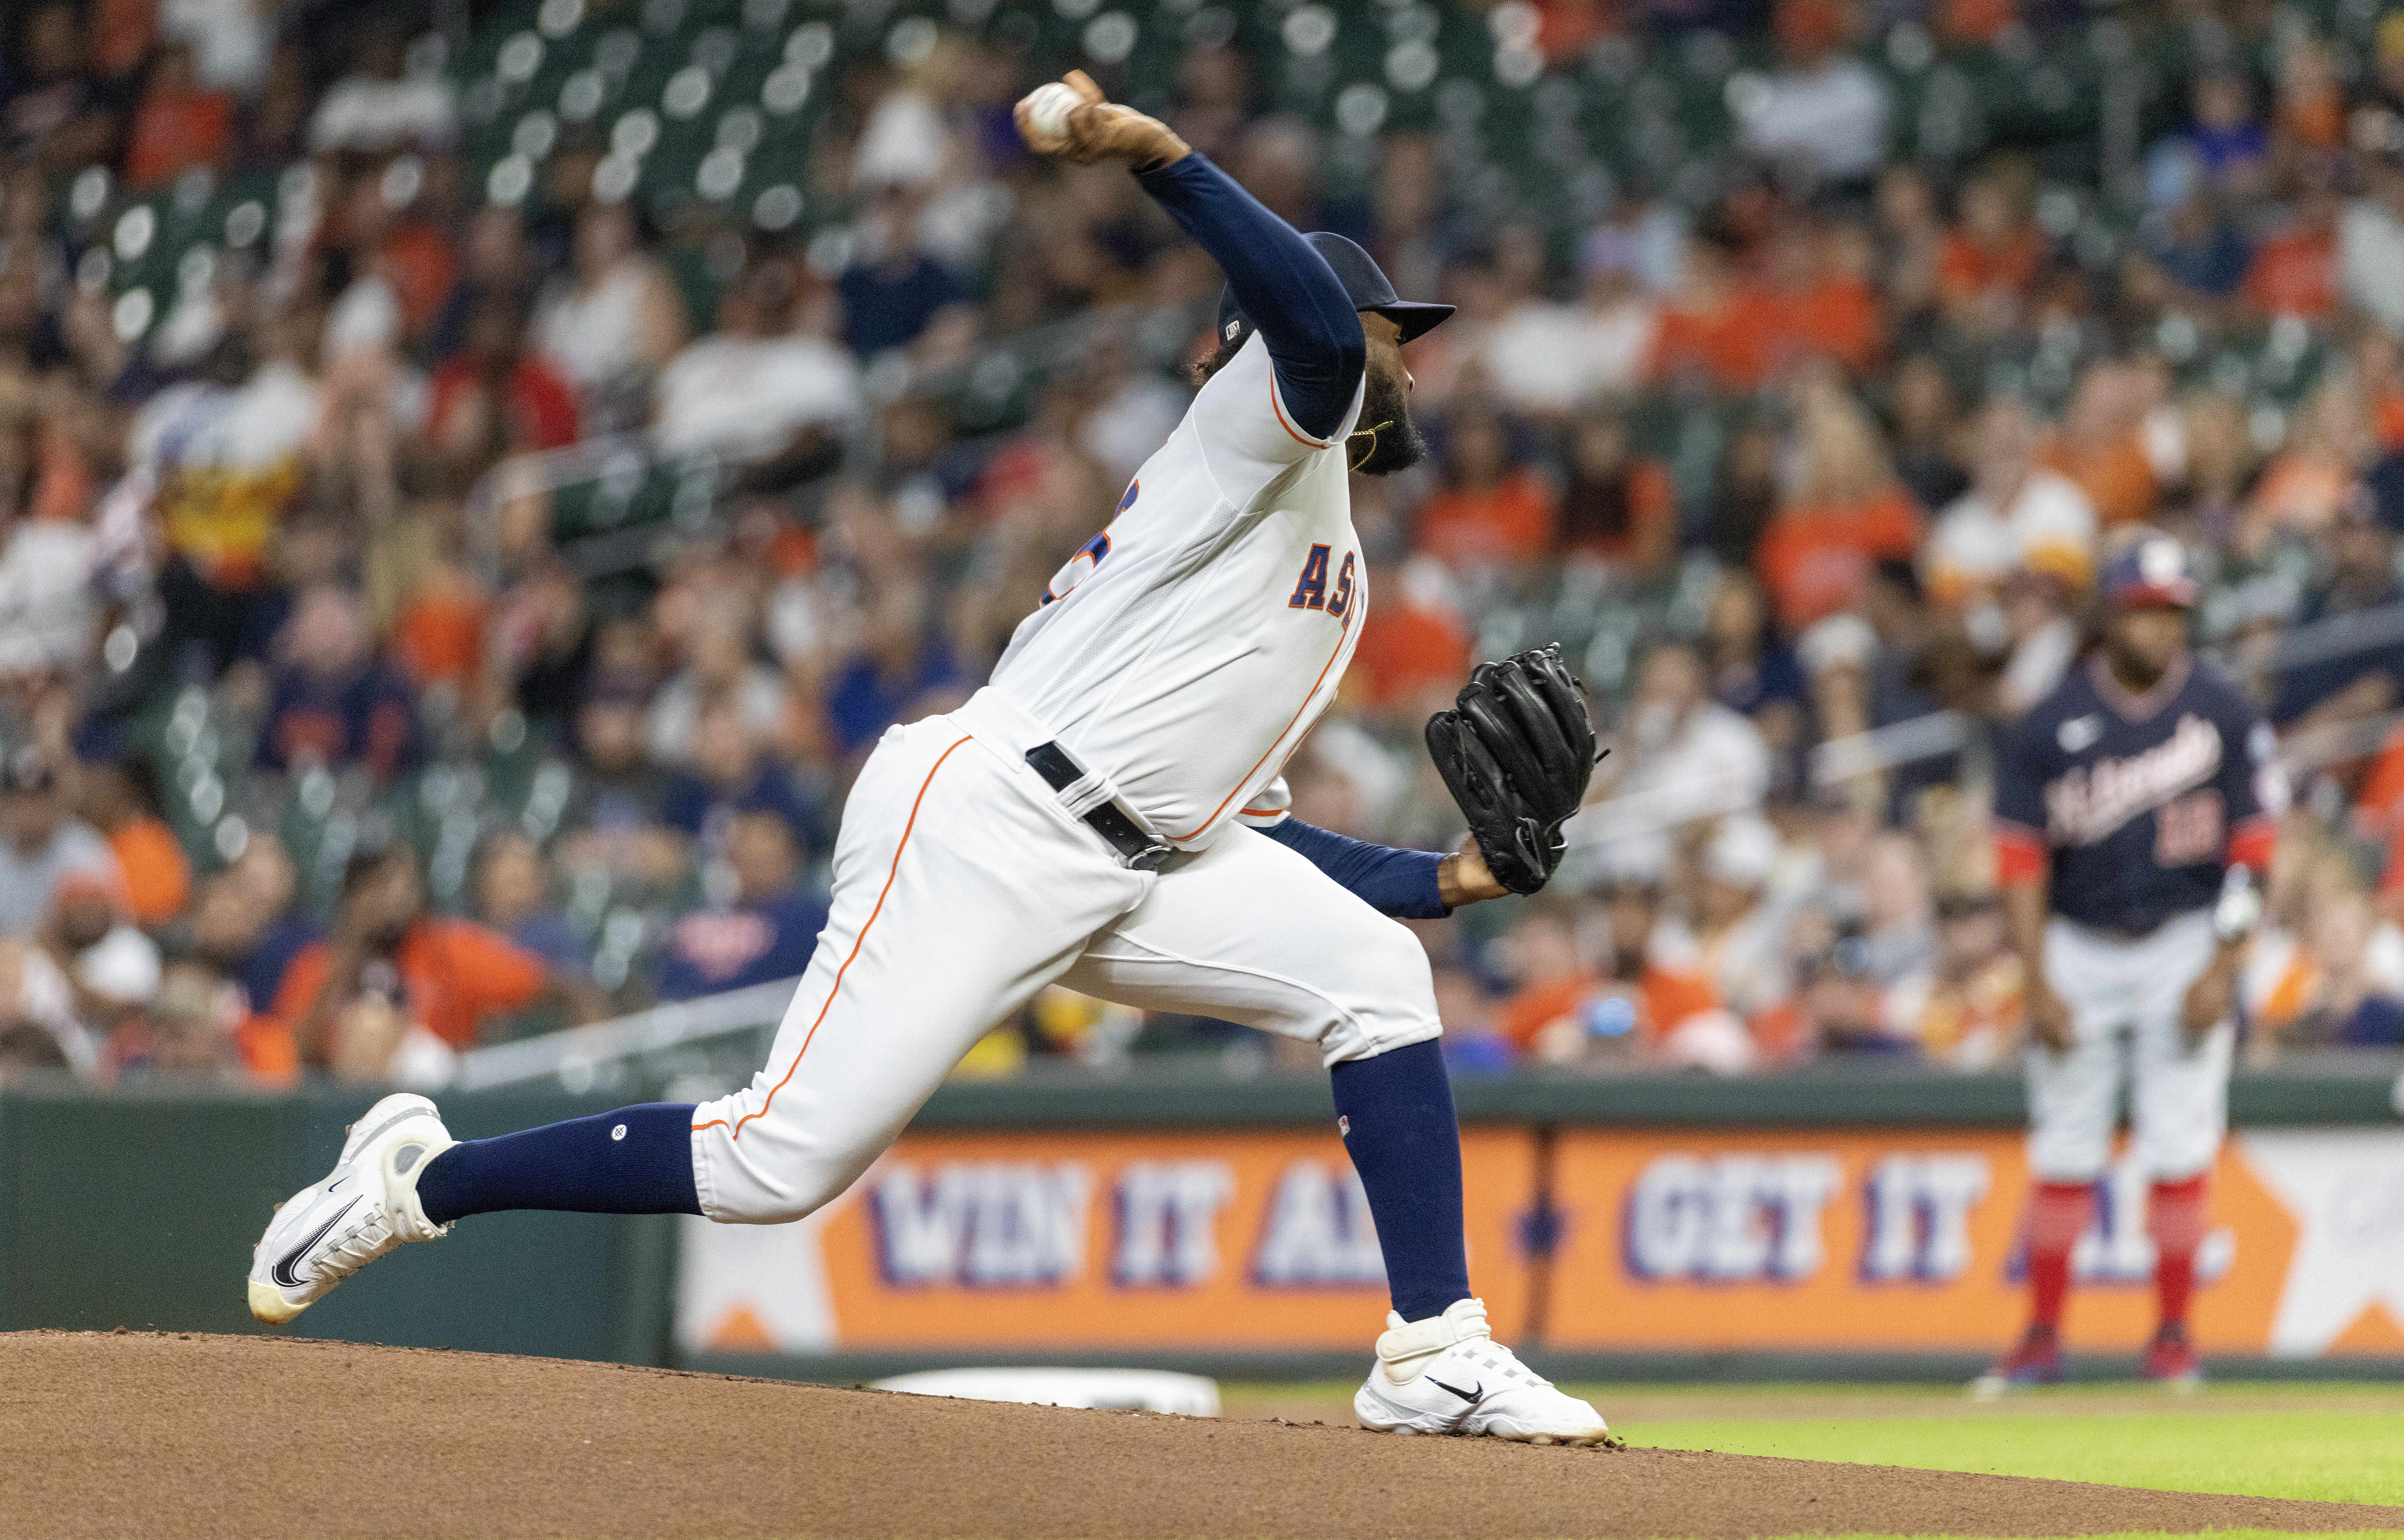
2175 1217
2057 1217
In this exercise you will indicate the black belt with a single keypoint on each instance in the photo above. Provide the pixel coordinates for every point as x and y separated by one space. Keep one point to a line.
1137 850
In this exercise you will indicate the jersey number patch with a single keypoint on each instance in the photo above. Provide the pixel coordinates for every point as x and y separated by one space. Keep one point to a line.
2188 829
1089 555
1077 568
1311 591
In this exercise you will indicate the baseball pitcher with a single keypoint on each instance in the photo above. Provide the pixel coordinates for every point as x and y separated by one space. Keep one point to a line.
1108 813
2135 808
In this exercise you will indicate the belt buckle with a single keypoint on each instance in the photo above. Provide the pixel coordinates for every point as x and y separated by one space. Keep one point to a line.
1132 846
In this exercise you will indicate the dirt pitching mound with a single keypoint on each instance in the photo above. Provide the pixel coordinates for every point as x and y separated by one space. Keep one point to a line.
159 1434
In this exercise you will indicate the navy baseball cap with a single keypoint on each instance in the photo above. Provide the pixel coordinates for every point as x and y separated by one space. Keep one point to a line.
2150 570
1364 283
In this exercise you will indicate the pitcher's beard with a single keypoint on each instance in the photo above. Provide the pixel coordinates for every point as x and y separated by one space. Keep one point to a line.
1392 440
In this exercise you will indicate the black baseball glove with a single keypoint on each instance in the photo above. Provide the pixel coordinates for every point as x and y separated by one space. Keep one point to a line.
1515 752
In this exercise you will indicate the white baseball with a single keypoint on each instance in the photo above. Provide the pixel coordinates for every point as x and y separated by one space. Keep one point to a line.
1047 113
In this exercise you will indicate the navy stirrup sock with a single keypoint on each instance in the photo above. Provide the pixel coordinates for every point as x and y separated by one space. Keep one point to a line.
634 1160
1405 1143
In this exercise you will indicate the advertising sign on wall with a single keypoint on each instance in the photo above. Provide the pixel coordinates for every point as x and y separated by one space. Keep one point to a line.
1237 1241
1243 1240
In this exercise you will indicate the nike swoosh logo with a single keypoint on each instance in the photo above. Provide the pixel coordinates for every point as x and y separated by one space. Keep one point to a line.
282 1272
1473 1398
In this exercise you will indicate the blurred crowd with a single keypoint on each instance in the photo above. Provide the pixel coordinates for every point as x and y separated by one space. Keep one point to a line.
355 711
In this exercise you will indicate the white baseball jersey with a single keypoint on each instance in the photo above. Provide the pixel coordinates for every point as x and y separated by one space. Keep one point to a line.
1180 657
1187 648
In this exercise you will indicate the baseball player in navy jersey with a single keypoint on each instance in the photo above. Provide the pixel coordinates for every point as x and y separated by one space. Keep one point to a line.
2135 808
1107 814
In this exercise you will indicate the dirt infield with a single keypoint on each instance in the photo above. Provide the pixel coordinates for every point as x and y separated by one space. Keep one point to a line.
159 1434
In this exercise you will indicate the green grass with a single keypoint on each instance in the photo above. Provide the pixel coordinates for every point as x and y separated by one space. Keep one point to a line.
2323 1442
2332 1455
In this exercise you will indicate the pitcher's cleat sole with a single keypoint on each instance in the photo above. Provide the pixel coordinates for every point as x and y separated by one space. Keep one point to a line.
1605 1440
269 1305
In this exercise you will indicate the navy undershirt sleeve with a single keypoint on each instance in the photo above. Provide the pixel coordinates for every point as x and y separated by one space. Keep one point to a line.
1397 882
1286 288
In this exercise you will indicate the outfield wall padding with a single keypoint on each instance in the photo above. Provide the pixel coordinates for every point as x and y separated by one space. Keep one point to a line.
1049 1217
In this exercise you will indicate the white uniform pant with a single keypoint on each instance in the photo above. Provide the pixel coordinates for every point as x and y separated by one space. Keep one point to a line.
2124 1000
963 885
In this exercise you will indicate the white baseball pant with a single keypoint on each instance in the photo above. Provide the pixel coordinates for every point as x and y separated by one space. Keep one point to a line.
2124 999
963 885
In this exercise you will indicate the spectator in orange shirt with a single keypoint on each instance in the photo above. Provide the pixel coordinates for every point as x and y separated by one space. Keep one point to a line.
365 1001
1820 296
1967 1008
2294 268
122 35
1415 639
2307 483
177 125
2104 446
1844 513
1991 257
1640 1007
1717 330
428 600
2379 371
1488 512
400 247
120 799
1548 966
2311 106
1976 24
1565 29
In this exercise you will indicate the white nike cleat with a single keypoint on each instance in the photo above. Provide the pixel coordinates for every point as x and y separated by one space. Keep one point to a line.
332 1228
1447 1374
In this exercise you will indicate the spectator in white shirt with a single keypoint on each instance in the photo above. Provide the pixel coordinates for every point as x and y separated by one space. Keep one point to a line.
1821 107
1741 924
380 107
1616 317
616 321
111 966
718 666
755 391
1546 358
42 845
229 39
2370 234
1688 756
47 608
2018 517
